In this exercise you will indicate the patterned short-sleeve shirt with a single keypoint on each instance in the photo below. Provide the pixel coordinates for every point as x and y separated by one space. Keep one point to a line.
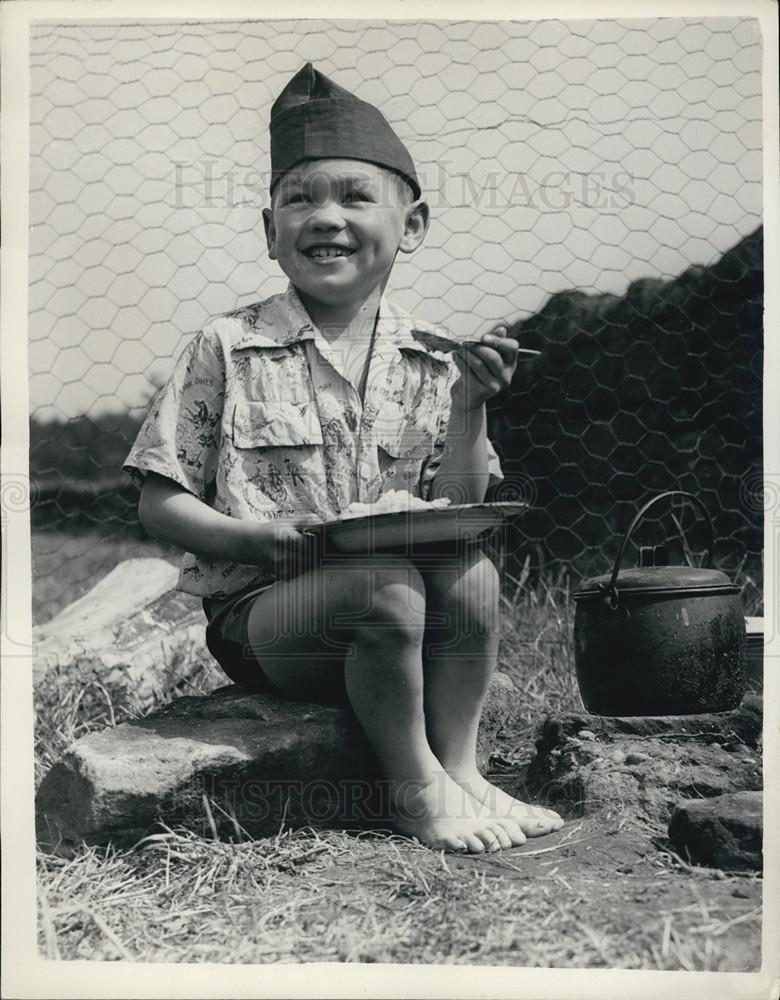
259 420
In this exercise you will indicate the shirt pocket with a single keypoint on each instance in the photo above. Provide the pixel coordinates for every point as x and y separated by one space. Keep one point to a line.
275 425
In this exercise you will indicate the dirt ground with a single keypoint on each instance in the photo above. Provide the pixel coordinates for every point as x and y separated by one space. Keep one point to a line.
603 892
621 882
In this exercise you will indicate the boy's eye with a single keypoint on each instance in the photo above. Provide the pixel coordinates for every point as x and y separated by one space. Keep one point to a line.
356 196
293 198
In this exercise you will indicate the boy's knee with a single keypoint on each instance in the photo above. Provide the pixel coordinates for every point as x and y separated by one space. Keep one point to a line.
391 596
470 592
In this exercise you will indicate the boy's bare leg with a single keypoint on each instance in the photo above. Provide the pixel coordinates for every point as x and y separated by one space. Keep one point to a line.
460 658
362 628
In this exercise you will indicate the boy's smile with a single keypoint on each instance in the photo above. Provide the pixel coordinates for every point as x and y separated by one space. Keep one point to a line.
328 251
335 227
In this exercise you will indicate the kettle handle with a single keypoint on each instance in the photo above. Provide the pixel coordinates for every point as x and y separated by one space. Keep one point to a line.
611 589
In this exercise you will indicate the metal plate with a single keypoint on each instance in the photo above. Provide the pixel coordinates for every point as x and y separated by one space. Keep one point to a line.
406 529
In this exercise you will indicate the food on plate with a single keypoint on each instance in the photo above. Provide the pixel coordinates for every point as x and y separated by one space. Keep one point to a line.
393 501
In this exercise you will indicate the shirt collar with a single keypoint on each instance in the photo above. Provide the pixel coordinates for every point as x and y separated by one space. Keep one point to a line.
276 322
283 320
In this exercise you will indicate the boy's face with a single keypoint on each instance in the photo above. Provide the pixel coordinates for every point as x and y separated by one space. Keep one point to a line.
335 227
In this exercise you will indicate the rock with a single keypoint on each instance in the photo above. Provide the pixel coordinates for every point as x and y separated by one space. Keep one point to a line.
742 724
225 759
646 764
724 831
132 632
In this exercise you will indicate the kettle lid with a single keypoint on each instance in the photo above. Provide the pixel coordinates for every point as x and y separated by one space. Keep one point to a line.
660 580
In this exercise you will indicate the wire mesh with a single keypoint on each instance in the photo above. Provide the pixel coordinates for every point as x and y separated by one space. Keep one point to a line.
596 183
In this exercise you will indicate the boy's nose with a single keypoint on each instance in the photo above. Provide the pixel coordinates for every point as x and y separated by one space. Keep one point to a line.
326 215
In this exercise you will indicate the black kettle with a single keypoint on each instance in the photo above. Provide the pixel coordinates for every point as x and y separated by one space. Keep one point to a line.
660 639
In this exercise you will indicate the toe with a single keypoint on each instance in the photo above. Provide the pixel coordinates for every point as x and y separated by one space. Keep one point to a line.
555 817
512 830
455 845
536 821
489 839
503 838
473 843
536 824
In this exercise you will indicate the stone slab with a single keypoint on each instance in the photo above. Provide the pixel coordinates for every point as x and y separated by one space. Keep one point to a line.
645 766
742 725
230 759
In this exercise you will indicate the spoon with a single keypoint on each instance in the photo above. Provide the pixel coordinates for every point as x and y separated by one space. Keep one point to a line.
447 345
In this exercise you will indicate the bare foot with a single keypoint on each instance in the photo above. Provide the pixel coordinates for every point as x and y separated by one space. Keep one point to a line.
444 816
534 821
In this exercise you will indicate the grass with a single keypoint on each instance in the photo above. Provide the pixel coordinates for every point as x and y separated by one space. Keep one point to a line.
309 895
329 896
537 646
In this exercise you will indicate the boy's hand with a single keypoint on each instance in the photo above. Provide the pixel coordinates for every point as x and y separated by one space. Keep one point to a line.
487 367
287 546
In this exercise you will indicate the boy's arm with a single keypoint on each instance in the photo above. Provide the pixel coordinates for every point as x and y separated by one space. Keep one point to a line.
487 368
172 514
463 472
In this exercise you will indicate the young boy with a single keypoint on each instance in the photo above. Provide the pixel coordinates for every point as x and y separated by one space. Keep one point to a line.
283 413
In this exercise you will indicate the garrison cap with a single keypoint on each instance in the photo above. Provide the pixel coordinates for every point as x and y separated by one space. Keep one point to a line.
315 119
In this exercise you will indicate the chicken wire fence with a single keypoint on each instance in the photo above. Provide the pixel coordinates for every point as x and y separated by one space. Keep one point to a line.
595 183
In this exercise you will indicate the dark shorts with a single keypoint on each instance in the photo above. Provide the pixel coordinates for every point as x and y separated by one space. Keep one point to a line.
227 638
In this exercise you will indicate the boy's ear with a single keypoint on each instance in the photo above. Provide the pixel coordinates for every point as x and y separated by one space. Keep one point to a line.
270 232
417 219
